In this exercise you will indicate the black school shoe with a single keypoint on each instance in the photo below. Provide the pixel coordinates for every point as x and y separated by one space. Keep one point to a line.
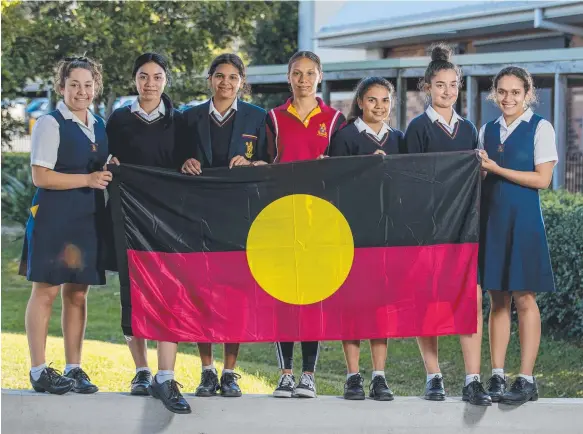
52 381
170 395
434 390
520 392
353 388
82 382
475 394
140 383
209 384
379 389
229 386
497 387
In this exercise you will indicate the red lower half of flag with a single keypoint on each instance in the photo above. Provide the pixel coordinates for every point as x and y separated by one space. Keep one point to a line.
389 292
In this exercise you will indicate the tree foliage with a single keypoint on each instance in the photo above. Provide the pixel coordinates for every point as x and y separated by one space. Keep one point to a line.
274 42
276 37
38 34
13 68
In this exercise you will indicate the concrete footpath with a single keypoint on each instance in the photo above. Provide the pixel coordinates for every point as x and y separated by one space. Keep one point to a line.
29 412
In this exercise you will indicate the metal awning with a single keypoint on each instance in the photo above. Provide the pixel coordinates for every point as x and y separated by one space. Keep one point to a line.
461 20
562 61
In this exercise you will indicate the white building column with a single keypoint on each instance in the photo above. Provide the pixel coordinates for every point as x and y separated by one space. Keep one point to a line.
472 100
306 25
560 125
326 87
401 105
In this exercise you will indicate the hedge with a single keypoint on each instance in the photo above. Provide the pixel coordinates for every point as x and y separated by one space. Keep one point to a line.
562 312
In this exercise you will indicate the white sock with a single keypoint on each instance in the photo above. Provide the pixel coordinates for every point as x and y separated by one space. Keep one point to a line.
163 376
528 378
70 367
144 368
228 371
378 374
498 371
210 367
472 377
35 371
351 374
430 376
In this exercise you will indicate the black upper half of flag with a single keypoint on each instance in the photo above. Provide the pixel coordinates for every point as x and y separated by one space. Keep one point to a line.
395 200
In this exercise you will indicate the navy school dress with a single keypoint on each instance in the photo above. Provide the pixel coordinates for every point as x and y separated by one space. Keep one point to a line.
214 143
349 141
514 254
64 231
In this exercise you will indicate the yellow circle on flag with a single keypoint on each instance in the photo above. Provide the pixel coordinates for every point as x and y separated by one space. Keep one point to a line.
300 249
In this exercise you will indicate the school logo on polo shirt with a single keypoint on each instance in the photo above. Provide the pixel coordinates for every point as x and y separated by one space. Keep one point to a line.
322 130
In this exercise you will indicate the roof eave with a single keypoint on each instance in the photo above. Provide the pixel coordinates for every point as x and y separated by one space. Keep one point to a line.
362 35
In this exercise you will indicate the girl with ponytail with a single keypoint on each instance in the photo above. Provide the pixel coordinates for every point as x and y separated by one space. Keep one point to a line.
519 153
367 131
145 133
225 131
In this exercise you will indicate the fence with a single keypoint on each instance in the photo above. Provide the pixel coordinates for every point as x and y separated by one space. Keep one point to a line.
18 144
574 171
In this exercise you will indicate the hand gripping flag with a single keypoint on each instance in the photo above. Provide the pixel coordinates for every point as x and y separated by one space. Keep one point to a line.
340 248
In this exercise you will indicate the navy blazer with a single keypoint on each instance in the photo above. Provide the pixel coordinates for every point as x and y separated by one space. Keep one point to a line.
248 139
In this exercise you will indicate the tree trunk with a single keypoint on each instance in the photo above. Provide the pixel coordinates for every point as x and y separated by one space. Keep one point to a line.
109 107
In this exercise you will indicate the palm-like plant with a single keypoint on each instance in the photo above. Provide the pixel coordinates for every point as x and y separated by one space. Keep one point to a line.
17 193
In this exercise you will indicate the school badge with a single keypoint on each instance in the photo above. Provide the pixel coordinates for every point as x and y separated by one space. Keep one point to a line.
322 130
500 148
249 151
93 147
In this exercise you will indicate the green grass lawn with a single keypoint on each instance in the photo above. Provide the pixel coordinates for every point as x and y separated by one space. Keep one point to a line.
107 360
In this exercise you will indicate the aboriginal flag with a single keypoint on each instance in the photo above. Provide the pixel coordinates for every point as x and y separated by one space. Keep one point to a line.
340 248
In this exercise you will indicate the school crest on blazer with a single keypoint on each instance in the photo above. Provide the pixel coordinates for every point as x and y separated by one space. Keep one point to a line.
248 150
247 136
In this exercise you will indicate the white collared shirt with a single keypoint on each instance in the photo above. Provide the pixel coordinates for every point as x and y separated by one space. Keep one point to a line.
545 147
220 117
158 112
45 138
434 116
363 126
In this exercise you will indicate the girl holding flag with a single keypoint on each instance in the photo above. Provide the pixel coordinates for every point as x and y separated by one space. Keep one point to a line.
301 129
519 153
223 132
368 133
63 232
145 133
441 129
